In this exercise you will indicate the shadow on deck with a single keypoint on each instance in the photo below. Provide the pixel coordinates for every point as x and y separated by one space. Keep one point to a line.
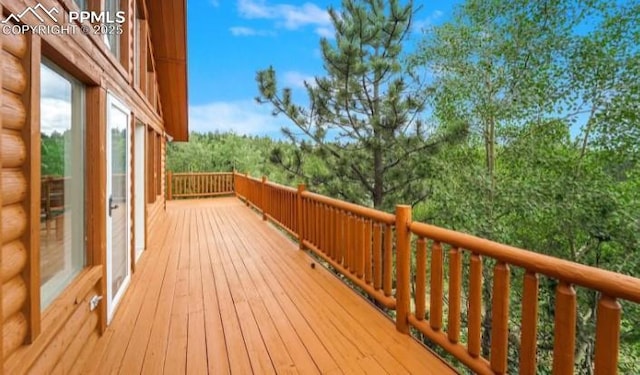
218 290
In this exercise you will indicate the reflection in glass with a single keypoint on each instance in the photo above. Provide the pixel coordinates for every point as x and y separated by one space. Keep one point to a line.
112 38
82 4
119 218
62 228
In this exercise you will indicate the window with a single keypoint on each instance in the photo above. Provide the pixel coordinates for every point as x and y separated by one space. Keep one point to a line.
62 224
140 49
112 7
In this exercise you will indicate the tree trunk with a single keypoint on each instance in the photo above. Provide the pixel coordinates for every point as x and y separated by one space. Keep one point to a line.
378 192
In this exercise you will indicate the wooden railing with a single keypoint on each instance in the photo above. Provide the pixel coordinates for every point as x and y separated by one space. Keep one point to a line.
355 240
198 185
364 245
52 196
567 275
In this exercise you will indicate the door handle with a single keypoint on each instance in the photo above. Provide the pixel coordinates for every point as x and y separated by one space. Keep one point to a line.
111 205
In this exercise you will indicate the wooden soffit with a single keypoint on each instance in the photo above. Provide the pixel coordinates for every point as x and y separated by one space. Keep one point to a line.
168 23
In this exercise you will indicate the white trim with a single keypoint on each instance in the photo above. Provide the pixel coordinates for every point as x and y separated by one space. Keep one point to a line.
113 300
139 176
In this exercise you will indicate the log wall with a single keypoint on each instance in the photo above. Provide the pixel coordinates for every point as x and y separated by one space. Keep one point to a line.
60 339
14 188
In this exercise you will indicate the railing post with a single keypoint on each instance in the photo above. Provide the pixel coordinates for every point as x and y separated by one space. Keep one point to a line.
263 198
300 215
403 267
169 185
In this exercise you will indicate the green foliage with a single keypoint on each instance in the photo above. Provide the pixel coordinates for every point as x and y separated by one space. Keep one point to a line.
533 138
52 154
226 152
551 92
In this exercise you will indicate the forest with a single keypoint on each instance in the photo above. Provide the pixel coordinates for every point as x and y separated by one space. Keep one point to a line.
516 121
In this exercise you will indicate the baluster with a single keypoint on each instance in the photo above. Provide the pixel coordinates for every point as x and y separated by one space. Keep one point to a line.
306 215
387 261
277 213
347 240
529 325
353 243
329 231
341 238
309 230
263 197
607 336
316 222
500 318
334 233
475 305
455 286
367 251
319 226
435 310
289 210
359 247
421 277
292 210
377 257
323 228
564 329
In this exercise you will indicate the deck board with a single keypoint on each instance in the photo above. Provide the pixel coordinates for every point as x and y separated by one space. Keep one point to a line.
221 291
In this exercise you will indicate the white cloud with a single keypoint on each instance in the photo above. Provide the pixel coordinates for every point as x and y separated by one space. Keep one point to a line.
419 25
55 115
254 9
242 117
325 32
248 31
297 79
290 17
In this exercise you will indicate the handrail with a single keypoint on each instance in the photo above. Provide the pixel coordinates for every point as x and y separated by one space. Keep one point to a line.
279 186
364 245
201 174
369 213
611 283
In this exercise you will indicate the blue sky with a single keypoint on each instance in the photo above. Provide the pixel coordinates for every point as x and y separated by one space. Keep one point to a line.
230 40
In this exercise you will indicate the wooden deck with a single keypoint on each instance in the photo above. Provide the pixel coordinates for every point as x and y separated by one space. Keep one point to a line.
220 291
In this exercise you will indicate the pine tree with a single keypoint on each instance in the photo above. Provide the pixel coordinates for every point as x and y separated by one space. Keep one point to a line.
364 116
